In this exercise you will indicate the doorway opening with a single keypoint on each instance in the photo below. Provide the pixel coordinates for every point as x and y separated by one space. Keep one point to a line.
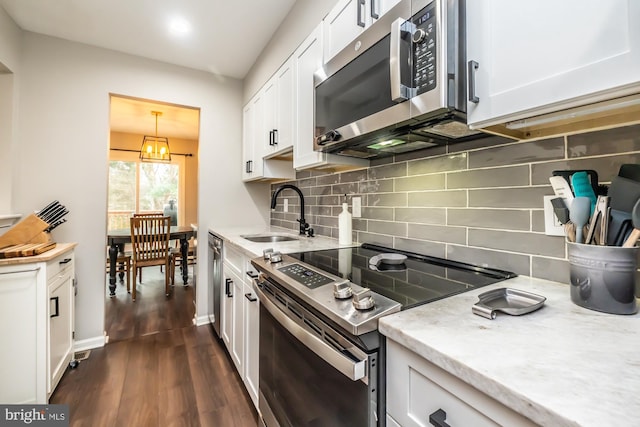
135 187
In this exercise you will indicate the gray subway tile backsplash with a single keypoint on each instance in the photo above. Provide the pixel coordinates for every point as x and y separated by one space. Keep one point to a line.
482 203
506 219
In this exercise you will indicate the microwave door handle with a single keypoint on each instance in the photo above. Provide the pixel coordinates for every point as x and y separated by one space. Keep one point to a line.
399 92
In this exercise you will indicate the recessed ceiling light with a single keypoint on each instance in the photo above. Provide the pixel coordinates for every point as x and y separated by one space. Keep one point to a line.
179 27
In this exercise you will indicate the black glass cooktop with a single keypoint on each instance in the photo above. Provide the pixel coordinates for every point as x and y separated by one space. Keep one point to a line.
418 280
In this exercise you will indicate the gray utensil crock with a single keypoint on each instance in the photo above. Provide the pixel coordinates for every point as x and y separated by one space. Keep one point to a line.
603 278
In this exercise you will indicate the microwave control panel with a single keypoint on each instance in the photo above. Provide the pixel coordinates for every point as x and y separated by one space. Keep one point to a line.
424 50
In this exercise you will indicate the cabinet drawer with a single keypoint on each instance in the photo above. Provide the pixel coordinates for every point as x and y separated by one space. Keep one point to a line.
234 259
60 265
418 389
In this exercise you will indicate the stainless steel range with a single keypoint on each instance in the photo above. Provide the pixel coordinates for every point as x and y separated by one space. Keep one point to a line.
321 357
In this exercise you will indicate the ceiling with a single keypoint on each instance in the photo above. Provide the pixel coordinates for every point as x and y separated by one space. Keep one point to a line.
218 36
132 115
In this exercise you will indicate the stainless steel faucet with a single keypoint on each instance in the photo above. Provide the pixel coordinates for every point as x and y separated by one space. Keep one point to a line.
304 226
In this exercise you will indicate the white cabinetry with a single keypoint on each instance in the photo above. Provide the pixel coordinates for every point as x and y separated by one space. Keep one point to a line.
418 390
36 327
279 114
307 59
348 19
543 56
251 341
260 118
240 318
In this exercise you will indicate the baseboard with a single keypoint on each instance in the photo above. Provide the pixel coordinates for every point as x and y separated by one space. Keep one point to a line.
201 320
89 343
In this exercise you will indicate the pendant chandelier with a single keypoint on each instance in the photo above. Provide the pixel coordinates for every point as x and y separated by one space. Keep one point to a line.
155 148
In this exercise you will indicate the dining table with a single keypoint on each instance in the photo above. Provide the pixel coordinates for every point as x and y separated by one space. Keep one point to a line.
117 238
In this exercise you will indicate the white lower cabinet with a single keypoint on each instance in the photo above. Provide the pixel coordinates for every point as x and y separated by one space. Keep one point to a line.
251 341
36 328
418 390
241 318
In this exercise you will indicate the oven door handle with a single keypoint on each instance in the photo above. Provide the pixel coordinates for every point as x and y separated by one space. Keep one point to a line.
354 370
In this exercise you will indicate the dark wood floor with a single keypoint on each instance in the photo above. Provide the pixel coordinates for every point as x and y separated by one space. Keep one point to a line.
162 371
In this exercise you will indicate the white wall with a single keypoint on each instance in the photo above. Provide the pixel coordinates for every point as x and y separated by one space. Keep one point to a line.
10 45
63 132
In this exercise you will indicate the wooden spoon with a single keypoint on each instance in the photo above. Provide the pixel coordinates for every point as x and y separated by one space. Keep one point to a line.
635 233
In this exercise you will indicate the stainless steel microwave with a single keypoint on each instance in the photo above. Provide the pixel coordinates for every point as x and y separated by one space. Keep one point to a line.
400 86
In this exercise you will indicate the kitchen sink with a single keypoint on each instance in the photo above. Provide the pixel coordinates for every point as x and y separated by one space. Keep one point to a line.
268 238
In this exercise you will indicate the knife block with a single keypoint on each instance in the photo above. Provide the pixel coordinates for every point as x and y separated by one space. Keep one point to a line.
29 230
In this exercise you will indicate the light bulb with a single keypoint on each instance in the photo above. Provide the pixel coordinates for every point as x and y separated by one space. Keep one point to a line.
163 151
149 149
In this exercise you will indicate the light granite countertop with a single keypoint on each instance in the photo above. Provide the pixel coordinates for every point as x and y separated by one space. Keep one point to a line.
562 365
232 235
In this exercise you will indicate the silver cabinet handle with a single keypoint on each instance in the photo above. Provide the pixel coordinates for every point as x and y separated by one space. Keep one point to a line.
360 13
472 66
352 369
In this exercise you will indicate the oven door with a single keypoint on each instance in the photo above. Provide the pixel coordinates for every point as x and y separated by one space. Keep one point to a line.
309 374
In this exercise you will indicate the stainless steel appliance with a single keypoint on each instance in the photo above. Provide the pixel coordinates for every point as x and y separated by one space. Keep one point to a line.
400 86
322 360
215 280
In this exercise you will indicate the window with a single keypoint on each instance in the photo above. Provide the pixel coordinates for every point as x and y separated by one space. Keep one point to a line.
136 186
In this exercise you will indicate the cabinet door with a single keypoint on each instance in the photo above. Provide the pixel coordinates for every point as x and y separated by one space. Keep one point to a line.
60 315
226 308
237 326
286 100
253 133
19 331
252 341
248 163
541 56
270 111
345 22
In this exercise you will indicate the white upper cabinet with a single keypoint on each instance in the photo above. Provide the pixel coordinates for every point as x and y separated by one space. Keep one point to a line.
279 114
307 59
260 118
544 56
348 19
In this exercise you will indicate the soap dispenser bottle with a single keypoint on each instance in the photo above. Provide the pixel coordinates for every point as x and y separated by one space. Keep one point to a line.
344 224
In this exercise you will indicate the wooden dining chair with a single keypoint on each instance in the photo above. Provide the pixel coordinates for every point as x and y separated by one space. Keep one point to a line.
150 246
146 215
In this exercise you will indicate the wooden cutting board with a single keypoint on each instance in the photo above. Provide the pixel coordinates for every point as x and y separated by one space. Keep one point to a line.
28 249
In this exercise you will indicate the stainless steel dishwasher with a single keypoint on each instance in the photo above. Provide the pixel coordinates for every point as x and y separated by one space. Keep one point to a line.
215 280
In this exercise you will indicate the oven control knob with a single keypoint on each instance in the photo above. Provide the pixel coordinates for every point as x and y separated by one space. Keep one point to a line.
363 300
266 254
419 36
342 290
276 257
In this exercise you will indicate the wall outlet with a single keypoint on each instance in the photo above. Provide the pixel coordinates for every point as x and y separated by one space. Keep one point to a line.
286 205
552 227
356 207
